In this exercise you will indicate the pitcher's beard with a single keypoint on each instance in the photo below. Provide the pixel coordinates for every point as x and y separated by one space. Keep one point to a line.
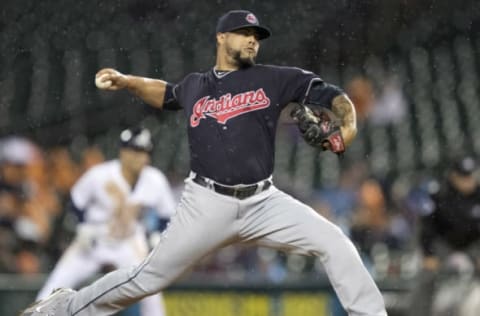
243 62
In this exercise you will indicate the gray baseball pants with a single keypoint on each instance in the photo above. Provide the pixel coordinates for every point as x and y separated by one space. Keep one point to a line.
206 221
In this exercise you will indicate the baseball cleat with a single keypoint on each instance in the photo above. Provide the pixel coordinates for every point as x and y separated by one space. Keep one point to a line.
55 303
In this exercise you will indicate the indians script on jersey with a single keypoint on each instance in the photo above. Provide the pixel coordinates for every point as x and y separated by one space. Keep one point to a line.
228 106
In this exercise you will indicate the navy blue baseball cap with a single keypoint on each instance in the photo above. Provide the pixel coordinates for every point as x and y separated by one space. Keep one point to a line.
240 19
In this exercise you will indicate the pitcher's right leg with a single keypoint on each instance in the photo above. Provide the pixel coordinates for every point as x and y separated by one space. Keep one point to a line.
204 222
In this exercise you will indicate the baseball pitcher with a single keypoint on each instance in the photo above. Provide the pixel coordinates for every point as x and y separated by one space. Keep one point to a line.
231 112
109 200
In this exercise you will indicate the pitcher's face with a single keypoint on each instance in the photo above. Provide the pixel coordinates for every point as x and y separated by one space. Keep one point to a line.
241 46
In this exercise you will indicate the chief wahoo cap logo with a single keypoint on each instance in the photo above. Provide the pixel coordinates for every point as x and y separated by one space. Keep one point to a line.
251 18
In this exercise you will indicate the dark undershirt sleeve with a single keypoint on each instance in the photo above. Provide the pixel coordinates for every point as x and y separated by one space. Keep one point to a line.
170 100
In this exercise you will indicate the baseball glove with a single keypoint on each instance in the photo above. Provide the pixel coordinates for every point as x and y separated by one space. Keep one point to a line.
318 129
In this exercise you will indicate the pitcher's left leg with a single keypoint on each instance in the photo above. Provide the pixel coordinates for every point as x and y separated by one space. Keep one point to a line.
281 222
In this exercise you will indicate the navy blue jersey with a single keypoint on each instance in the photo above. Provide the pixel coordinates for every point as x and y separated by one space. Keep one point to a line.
232 119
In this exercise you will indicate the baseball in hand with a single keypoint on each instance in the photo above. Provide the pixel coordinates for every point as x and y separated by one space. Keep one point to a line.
102 83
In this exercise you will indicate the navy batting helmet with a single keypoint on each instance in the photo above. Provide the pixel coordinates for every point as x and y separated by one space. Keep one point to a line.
138 138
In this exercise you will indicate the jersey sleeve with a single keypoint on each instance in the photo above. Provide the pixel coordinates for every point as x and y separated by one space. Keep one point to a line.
82 191
174 95
295 84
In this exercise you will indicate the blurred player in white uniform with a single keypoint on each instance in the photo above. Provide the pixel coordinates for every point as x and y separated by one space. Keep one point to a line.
109 201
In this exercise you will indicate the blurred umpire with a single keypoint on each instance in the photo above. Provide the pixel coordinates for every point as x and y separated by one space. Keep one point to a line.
449 234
